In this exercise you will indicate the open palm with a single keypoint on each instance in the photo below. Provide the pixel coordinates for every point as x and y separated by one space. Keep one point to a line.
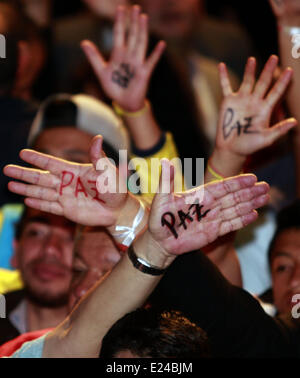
244 123
125 76
69 189
179 225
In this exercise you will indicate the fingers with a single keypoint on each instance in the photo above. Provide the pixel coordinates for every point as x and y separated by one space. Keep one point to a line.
119 29
224 80
249 77
45 162
94 57
244 208
34 191
142 43
46 206
237 223
134 29
166 181
266 77
137 43
244 195
155 56
272 134
220 189
280 87
31 176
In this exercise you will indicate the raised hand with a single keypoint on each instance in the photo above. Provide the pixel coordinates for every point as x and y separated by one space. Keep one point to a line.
70 189
125 76
244 123
226 206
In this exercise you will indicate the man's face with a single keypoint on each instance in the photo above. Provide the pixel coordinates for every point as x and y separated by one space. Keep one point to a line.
285 268
95 254
67 143
171 18
44 255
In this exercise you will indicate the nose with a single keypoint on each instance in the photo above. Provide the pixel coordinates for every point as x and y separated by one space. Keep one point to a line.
53 246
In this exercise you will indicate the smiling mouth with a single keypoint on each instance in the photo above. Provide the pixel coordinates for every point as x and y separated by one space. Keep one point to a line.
49 272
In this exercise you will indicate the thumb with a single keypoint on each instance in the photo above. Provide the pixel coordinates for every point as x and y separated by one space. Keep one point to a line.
279 130
166 181
166 184
96 151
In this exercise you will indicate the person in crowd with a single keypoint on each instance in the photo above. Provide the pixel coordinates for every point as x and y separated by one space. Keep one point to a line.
170 83
284 260
188 25
243 130
287 14
44 258
18 72
145 333
116 209
95 253
65 126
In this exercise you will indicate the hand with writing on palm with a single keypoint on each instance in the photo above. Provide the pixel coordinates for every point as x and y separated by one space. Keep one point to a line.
70 189
244 122
183 222
125 76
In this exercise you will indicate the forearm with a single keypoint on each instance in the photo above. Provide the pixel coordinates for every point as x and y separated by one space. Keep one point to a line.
120 292
223 254
143 128
224 163
126 217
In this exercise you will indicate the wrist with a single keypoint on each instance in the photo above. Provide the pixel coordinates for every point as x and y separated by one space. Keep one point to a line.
148 249
131 111
227 163
134 217
284 23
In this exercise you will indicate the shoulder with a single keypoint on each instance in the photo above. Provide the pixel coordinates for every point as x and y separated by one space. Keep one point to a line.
31 349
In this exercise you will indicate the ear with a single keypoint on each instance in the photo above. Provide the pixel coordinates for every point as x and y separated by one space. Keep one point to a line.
14 259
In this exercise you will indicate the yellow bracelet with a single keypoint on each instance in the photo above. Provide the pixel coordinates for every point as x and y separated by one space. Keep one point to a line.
121 112
214 173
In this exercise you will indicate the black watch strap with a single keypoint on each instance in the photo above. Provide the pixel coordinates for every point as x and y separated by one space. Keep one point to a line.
142 265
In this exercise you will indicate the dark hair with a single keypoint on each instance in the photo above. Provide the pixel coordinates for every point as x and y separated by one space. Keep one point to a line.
287 218
59 113
148 333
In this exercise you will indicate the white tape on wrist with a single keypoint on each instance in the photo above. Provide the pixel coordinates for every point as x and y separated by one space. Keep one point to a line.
127 234
291 30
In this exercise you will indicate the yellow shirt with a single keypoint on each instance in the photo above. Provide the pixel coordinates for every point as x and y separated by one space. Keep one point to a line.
10 280
148 169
